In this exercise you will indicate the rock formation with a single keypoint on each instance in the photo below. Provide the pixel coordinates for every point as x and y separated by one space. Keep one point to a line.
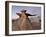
23 23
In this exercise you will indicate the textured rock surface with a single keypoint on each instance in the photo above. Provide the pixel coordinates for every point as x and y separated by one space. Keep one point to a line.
26 25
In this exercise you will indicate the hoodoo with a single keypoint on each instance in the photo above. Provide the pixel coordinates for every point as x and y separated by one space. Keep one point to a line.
23 23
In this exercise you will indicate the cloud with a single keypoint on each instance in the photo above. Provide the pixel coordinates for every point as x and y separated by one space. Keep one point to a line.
15 17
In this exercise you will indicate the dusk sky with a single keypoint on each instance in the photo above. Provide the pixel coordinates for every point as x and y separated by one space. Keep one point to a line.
30 9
